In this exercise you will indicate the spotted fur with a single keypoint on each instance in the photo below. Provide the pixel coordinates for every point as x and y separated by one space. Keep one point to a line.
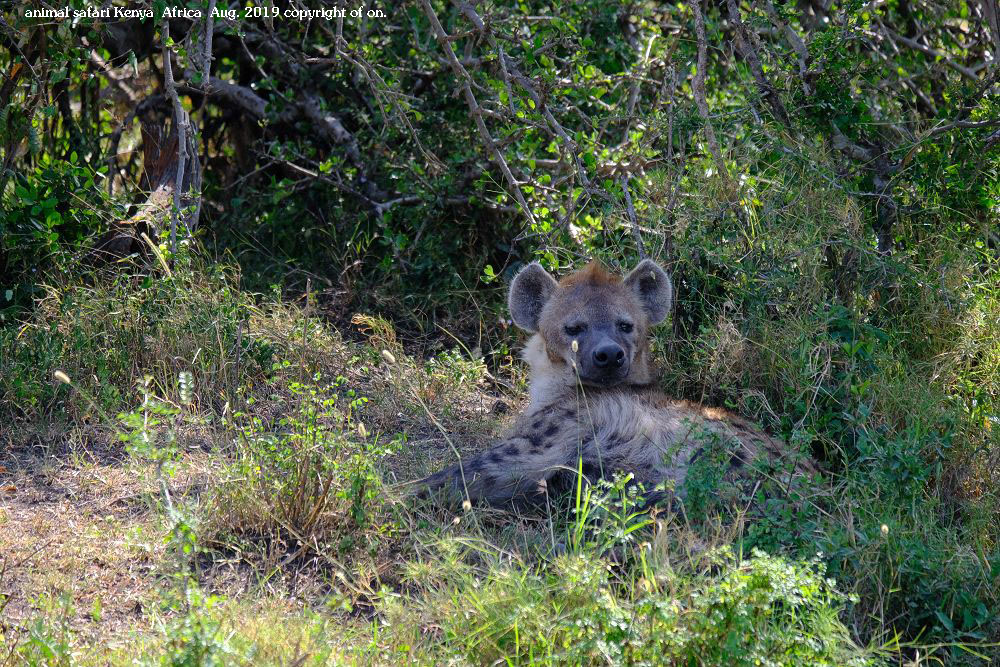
605 416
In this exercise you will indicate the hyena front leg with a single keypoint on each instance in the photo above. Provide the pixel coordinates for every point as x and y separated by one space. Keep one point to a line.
516 467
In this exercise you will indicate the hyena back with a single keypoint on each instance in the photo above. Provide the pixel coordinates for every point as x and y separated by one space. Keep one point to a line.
593 403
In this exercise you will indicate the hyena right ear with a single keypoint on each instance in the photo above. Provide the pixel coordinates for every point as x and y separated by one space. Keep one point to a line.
652 286
529 293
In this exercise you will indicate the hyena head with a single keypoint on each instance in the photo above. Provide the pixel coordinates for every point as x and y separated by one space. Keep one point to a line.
608 318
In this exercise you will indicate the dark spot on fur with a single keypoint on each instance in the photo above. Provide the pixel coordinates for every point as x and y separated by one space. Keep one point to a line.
538 424
551 431
697 455
496 458
536 447
512 450
475 465
590 471
736 461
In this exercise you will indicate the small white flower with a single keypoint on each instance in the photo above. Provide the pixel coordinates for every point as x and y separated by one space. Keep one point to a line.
388 356
62 377
885 530
575 346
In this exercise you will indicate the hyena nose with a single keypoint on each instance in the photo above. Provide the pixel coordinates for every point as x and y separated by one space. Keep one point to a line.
609 355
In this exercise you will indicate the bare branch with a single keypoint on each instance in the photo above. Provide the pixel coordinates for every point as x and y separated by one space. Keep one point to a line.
206 71
698 88
332 128
964 125
180 128
792 37
745 44
112 76
849 148
947 60
636 234
206 59
528 86
474 109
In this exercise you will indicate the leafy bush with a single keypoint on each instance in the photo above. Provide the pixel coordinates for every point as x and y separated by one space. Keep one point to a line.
761 610
54 213
108 337
308 480
823 191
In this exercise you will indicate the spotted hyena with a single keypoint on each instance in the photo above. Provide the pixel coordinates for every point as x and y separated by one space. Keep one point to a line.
593 398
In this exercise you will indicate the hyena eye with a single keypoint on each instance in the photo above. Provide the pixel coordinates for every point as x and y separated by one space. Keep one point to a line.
625 327
574 329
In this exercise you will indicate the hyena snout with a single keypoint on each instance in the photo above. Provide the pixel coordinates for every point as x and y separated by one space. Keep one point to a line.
606 365
609 356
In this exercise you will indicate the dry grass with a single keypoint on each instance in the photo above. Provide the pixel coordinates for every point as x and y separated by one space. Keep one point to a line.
81 520
83 530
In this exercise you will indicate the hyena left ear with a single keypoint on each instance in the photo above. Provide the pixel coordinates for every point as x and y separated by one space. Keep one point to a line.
528 294
652 286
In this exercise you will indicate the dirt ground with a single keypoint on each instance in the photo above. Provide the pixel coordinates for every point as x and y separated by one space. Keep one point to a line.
83 532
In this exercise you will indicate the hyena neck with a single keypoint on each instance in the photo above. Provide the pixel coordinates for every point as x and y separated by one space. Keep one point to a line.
551 381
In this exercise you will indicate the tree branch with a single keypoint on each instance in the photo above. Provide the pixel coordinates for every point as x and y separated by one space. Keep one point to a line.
474 110
116 80
180 128
698 88
747 48
636 234
792 37
947 60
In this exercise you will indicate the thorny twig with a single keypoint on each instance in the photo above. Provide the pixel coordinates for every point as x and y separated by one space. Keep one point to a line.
474 109
698 88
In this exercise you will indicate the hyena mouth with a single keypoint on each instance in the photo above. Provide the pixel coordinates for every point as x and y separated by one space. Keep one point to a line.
609 379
